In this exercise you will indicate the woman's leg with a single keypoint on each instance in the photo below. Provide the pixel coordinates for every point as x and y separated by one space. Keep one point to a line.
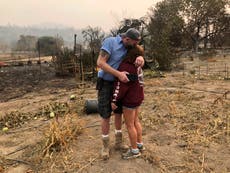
138 125
129 116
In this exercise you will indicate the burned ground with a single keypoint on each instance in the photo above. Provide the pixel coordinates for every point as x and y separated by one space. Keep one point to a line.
186 125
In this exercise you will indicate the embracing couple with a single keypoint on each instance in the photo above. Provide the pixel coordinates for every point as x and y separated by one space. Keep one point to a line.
120 90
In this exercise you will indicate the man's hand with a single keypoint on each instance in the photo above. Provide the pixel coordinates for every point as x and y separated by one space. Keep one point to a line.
123 76
102 63
139 61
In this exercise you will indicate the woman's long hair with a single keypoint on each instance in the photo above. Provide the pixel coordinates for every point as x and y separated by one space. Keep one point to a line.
133 53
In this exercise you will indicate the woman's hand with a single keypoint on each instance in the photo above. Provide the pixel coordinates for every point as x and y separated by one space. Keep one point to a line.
114 106
139 62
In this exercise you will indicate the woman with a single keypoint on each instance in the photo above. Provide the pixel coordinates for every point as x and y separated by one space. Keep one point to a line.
130 95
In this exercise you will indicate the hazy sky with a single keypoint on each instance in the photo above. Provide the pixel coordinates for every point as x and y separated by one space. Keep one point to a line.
72 13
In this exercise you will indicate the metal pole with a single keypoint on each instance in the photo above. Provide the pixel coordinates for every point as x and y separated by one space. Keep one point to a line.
39 57
93 63
81 66
75 55
75 44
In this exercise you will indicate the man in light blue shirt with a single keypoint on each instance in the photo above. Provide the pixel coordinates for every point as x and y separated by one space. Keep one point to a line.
111 54
115 48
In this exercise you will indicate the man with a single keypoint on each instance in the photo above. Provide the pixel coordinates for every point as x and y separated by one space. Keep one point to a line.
111 54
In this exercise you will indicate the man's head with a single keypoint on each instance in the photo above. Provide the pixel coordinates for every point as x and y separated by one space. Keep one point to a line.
131 37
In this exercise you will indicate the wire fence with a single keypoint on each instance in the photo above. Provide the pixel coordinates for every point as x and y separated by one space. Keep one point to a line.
208 70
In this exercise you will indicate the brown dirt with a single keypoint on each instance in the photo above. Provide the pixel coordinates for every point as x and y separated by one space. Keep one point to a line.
186 126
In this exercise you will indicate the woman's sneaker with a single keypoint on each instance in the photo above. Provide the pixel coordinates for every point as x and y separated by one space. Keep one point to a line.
141 147
130 155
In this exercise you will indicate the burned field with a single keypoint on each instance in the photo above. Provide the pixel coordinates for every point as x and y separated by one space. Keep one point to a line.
186 125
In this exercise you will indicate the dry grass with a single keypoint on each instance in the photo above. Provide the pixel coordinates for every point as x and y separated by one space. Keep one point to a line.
61 134
198 124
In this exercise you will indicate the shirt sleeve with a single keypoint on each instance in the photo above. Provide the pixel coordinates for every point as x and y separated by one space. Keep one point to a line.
119 92
107 45
140 76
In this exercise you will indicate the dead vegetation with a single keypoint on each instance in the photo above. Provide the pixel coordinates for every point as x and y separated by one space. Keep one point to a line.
17 119
61 134
57 136
196 122
186 125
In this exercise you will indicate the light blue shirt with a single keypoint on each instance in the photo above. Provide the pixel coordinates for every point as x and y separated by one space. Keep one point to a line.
116 50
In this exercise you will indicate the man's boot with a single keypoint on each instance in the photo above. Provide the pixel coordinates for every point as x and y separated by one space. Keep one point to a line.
119 145
105 148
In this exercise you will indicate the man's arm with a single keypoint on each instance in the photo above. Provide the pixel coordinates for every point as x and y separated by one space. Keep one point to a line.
102 63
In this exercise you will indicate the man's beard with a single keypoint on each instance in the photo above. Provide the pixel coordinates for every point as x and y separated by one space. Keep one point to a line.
129 46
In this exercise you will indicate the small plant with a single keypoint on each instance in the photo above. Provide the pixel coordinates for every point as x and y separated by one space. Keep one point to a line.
60 134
